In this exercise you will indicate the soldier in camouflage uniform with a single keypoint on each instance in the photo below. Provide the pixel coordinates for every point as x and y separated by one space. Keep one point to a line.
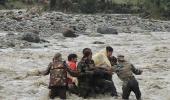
85 67
58 76
125 72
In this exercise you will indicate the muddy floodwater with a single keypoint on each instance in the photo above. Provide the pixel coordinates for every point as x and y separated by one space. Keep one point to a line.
144 43
148 51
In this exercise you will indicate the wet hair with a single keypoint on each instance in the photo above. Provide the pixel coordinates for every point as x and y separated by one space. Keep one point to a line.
86 52
71 56
57 56
109 49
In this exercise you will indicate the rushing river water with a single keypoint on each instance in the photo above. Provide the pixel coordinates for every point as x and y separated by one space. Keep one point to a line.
148 51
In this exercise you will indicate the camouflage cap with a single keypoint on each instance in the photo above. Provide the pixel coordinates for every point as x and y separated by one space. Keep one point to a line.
120 57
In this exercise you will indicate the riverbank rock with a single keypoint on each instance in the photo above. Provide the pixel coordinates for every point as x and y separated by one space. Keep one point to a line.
69 33
98 42
49 23
31 37
106 30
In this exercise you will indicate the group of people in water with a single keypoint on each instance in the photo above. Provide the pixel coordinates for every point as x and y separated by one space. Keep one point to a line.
92 75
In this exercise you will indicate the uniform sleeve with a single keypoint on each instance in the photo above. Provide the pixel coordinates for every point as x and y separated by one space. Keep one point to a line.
135 70
47 71
80 67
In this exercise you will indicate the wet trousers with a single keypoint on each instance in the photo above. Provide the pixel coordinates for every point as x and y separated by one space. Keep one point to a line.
58 91
131 85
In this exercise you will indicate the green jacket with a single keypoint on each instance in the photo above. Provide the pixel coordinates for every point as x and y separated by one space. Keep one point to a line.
125 71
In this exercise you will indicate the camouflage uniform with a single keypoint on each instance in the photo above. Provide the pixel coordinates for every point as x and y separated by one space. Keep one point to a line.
93 80
58 76
85 67
125 72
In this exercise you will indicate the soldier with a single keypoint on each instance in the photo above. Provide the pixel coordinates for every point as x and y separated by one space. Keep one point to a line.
58 75
85 67
125 71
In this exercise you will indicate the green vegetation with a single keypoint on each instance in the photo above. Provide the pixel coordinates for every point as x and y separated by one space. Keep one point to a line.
88 6
149 8
126 1
158 9
20 4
